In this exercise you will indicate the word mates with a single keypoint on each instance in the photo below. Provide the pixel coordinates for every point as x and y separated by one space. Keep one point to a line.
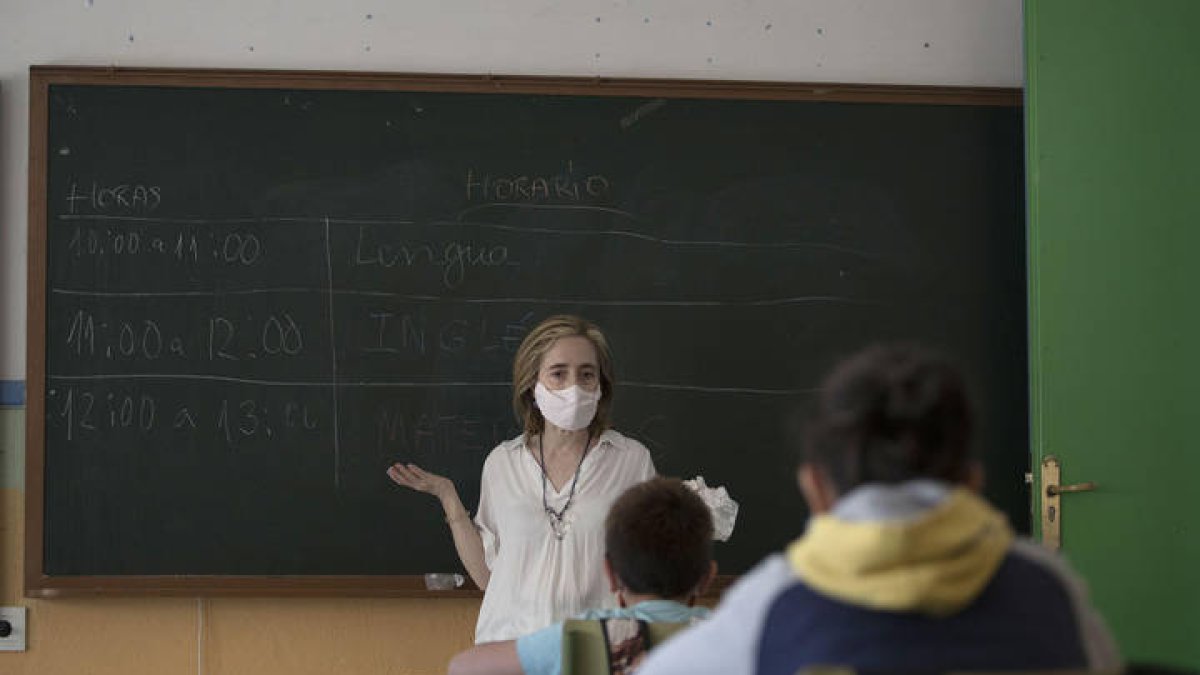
222 338
406 433
560 188
86 413
122 198
232 248
452 258
416 334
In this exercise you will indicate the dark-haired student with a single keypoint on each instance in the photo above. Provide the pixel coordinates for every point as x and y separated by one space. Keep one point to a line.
903 566
658 559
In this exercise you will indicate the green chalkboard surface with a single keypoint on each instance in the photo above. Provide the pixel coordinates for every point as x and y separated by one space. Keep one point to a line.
252 292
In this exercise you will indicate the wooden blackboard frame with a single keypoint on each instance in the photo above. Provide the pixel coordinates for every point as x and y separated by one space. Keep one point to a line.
40 584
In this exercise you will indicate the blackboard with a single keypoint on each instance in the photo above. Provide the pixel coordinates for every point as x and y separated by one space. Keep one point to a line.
250 292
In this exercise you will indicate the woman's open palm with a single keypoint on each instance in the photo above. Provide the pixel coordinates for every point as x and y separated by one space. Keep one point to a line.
414 477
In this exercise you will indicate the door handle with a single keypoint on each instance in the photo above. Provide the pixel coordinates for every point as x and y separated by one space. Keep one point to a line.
1053 490
1052 500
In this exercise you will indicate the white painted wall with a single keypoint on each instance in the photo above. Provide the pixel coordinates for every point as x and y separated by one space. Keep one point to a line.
949 42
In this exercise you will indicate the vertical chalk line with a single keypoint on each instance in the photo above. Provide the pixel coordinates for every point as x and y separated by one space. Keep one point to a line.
337 451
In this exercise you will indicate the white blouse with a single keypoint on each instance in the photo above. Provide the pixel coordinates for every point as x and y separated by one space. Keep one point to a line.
536 578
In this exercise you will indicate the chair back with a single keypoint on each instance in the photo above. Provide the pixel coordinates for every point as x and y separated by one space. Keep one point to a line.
610 646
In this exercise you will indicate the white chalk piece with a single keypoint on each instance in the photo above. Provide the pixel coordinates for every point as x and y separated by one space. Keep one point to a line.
443 581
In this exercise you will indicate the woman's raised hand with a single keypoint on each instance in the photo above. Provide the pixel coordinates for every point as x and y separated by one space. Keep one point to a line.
416 478
467 540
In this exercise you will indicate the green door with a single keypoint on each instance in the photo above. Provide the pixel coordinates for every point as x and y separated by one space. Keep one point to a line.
1113 114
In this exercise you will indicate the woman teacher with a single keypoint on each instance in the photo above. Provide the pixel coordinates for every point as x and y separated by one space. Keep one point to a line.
536 544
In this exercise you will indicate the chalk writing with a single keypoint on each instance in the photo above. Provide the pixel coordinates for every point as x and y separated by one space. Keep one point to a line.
451 258
125 197
231 248
84 412
279 335
248 419
223 338
79 411
563 187
414 333
409 433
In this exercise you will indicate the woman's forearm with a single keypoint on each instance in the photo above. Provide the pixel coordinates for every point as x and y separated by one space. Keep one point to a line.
467 540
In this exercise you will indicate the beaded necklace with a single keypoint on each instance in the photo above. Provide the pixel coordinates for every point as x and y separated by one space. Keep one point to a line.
557 526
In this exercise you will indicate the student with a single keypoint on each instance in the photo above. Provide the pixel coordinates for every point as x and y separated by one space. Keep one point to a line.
658 559
903 566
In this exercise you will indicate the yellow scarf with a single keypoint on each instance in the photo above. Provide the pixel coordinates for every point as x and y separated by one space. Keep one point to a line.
935 564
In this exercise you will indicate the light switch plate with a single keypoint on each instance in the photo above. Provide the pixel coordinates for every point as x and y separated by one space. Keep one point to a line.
15 642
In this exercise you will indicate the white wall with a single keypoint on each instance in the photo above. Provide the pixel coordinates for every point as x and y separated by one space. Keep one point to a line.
950 42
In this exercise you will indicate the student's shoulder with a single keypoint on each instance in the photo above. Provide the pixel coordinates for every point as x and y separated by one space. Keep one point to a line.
1097 640
540 651
1048 562
760 585
746 603
727 640
604 613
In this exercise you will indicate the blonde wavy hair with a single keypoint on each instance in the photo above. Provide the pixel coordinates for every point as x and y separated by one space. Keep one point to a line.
528 362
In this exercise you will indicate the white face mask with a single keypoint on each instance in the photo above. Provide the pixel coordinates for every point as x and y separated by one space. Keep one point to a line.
572 408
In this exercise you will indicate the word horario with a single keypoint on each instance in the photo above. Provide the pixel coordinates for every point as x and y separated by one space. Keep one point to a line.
565 187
